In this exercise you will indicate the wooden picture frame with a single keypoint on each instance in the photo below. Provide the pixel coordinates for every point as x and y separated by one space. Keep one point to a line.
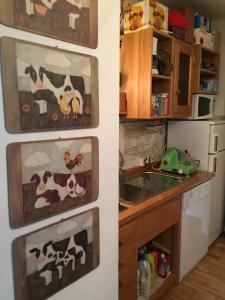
68 20
46 178
49 259
46 89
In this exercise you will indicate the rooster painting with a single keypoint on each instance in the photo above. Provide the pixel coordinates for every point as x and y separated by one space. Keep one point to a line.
72 163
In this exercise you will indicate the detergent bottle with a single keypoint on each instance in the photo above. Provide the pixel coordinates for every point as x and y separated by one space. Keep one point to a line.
144 278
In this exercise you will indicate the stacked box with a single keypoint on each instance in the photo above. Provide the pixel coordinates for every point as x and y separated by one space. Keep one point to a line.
137 17
158 15
204 38
202 22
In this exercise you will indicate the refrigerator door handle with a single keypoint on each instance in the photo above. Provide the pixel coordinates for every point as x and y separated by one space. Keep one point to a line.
213 163
214 143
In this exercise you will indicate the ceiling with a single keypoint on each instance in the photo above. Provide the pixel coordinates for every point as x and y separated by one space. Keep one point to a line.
215 9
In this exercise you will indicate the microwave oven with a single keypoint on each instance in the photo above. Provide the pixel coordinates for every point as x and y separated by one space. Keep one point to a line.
203 106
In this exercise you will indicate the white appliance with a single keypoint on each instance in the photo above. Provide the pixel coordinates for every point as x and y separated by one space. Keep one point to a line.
205 141
194 227
203 106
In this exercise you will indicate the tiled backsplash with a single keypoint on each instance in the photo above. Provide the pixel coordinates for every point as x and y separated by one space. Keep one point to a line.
141 141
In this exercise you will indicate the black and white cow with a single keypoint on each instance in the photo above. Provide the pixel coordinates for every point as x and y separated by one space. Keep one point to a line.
55 256
65 86
42 93
76 185
51 87
50 188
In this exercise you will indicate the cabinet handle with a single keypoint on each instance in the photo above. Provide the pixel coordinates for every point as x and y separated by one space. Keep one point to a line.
121 263
215 164
178 92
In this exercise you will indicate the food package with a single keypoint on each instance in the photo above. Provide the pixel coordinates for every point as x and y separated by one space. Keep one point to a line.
158 15
204 38
136 17
202 22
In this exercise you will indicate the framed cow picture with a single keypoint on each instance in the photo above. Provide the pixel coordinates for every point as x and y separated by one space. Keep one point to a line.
74 21
49 177
48 260
45 88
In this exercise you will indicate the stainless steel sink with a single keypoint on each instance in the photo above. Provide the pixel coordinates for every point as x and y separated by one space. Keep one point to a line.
140 187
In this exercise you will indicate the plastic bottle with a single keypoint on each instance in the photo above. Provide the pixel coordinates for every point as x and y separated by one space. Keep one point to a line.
144 278
162 266
151 261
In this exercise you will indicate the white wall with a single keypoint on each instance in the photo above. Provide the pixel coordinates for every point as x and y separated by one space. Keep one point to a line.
220 99
101 283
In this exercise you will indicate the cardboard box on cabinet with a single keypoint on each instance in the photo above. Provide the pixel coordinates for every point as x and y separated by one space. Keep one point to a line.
137 17
204 38
158 15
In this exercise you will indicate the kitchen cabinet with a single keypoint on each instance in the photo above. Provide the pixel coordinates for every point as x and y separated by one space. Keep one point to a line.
127 262
182 82
142 87
135 72
162 83
206 70
161 223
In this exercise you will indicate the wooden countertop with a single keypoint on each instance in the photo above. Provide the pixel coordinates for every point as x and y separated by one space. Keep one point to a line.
135 210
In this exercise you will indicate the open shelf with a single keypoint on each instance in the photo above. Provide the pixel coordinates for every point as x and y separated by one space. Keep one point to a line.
161 34
160 77
159 282
205 93
162 243
208 51
208 72
206 68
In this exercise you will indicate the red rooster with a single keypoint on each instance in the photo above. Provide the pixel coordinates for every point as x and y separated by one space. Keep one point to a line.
72 163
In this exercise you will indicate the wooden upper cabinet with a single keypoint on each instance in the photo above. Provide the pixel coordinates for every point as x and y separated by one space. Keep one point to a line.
135 72
145 91
206 67
145 73
181 103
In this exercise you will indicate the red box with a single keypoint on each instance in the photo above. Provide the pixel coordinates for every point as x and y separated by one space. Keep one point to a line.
177 19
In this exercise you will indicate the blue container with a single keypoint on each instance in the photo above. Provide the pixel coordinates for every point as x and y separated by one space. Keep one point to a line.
203 22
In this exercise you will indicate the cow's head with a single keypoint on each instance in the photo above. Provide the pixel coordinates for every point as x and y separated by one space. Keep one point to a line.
36 75
41 179
44 254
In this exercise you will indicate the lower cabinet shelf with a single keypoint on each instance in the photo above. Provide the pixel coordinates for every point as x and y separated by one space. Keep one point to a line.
159 282
147 235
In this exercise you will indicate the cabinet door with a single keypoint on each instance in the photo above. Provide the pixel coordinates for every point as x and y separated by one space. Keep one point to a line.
129 71
136 71
182 100
145 73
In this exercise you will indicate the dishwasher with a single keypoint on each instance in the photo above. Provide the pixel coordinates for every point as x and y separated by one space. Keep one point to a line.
194 227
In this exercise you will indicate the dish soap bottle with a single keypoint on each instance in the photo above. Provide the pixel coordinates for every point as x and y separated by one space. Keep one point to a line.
144 278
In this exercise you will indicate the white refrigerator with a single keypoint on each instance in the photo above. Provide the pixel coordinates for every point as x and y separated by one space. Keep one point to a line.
205 141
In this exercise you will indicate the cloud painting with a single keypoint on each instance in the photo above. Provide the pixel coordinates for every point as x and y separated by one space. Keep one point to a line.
37 159
86 148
